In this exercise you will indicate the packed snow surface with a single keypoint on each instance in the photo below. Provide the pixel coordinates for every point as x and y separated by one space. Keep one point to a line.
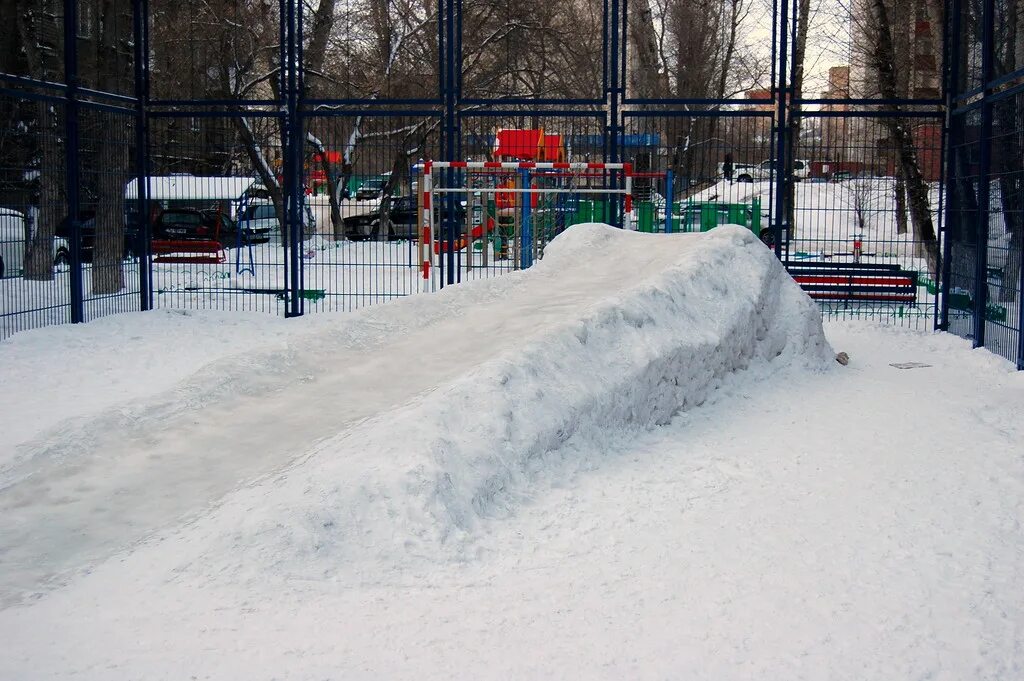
636 460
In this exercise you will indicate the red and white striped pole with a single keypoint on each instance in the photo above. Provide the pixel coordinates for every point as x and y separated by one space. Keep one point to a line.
427 231
627 213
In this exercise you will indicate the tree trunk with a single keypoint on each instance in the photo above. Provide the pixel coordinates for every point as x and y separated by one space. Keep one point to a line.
884 58
316 55
647 78
43 59
795 119
52 204
108 246
112 159
259 162
901 203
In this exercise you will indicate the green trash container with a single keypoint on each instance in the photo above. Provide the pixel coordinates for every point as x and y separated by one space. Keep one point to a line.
708 216
645 216
589 211
737 214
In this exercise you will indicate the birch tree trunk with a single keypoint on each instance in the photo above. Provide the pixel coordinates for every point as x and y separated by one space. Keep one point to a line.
883 58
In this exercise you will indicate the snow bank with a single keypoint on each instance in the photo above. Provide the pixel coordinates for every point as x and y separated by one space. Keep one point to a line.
625 330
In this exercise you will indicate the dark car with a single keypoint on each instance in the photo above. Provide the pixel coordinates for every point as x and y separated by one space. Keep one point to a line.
371 188
187 224
87 228
402 221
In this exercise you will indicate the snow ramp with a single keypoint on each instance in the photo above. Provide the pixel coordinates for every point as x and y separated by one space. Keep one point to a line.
612 332
403 426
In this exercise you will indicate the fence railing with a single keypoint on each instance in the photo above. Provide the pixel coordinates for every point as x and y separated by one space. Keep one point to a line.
174 160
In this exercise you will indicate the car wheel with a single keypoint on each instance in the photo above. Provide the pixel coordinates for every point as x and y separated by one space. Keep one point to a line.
744 178
766 237
374 233
62 258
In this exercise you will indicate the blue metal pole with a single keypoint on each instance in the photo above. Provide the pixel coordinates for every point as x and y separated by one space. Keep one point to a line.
293 162
448 203
526 232
71 168
950 142
1020 325
668 201
984 177
142 246
782 90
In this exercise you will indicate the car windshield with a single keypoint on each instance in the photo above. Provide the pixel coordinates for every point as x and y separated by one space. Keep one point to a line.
259 212
182 218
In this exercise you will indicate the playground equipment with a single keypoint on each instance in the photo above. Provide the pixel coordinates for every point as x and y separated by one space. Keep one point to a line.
513 208
661 214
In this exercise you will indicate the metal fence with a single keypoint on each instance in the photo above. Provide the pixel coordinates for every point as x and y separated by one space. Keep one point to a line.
262 156
985 180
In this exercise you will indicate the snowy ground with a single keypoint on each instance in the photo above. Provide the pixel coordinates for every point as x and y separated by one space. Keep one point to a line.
550 474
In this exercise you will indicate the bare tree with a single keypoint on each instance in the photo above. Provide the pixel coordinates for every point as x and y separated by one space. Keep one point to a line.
39 30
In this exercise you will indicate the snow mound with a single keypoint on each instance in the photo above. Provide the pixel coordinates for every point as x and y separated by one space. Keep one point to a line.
680 313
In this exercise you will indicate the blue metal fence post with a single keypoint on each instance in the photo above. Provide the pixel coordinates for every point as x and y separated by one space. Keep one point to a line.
292 142
781 91
613 92
950 143
526 232
984 176
71 150
140 28
1020 323
449 151
668 200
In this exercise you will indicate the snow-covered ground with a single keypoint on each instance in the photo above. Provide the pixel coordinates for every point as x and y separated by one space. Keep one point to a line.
830 214
563 472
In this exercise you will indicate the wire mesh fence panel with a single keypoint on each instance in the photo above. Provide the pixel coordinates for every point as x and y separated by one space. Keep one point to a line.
382 52
105 58
202 51
700 51
844 44
35 285
694 172
1005 230
968 21
214 208
40 37
361 196
861 208
504 218
537 50
107 226
964 218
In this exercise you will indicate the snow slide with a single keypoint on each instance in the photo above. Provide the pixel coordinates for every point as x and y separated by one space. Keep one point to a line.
395 430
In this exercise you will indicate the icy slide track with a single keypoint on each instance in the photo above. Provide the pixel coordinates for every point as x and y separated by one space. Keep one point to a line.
396 428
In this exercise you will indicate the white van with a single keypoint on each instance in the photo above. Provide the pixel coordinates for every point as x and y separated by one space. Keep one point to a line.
14 236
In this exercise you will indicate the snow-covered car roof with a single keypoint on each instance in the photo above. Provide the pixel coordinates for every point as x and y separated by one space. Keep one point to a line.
194 187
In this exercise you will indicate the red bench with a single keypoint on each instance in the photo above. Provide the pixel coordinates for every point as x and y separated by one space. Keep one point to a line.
201 251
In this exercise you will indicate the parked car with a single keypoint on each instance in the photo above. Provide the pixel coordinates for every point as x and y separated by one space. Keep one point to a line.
739 169
371 188
259 223
402 221
87 230
14 236
188 224
765 171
